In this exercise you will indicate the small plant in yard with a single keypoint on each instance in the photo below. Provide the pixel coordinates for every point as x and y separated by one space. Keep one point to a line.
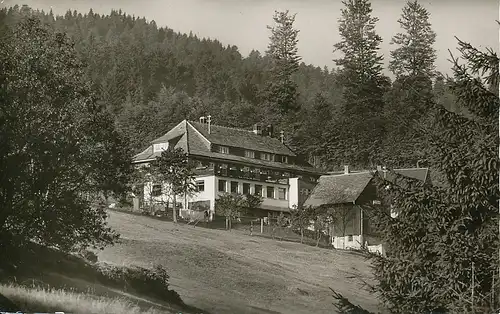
281 222
252 201
301 219
229 206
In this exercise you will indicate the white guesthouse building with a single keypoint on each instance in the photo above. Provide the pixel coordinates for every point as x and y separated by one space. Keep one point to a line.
230 160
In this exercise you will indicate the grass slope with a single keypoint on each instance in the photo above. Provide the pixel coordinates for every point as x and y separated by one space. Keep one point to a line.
40 279
231 272
51 300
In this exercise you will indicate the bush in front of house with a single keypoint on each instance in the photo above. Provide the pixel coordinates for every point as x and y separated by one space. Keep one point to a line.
152 282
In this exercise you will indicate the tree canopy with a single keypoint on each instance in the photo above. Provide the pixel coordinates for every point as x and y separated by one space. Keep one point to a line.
443 246
59 147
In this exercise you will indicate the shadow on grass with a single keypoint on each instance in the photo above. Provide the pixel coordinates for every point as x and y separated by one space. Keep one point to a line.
35 265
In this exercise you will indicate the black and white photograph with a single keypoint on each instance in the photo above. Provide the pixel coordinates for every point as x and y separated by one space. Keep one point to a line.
249 157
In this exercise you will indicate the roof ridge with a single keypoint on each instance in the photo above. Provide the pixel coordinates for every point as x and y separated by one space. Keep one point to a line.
186 125
226 127
346 174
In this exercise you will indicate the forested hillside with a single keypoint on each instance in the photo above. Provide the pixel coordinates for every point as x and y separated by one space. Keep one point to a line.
151 77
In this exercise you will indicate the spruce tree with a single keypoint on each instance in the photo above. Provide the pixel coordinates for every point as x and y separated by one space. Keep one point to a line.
408 102
354 137
361 64
283 52
442 248
415 54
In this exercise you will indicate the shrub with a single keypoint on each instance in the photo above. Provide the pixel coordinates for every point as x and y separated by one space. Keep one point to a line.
152 282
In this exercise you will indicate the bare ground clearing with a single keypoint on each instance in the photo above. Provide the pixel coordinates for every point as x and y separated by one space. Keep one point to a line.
231 272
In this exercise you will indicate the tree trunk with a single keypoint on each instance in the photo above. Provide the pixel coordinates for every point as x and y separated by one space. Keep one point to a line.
301 235
174 209
319 238
343 240
230 223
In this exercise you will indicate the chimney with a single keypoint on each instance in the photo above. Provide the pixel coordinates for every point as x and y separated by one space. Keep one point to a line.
209 120
270 130
379 168
346 169
282 137
257 129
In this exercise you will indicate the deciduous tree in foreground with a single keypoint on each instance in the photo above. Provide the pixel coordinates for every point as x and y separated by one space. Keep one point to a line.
58 146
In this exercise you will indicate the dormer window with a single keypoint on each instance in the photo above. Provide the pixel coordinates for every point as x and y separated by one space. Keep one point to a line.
223 149
266 156
284 159
159 147
249 153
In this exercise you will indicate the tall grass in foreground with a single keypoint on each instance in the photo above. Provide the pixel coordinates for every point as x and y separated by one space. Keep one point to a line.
51 300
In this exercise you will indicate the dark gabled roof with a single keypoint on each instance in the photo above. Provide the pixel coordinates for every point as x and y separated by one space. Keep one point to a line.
176 131
338 188
414 173
221 135
193 141
145 155
346 188
176 135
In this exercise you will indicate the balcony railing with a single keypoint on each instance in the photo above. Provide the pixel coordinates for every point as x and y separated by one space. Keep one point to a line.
245 173
255 175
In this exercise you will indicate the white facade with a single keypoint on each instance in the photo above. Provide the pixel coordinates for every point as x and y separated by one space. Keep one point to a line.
354 243
347 242
294 192
160 147
282 196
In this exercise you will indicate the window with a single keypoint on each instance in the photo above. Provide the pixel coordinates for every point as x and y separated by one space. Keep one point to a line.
282 193
349 238
222 170
266 156
200 185
270 192
245 172
156 190
284 159
246 188
249 153
233 171
201 164
223 149
234 187
222 185
258 189
160 147
254 173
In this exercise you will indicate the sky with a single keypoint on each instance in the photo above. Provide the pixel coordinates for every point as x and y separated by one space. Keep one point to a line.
243 22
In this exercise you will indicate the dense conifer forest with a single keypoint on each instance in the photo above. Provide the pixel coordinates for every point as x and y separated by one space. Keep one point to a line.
150 78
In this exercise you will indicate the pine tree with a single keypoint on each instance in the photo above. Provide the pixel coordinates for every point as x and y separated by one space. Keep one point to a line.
282 49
